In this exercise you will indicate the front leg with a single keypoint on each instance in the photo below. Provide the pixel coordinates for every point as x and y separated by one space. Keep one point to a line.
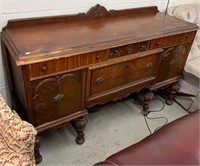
79 125
148 97
38 157
171 92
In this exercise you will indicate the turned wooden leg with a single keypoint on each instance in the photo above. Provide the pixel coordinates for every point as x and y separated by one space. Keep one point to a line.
148 97
79 125
171 92
38 156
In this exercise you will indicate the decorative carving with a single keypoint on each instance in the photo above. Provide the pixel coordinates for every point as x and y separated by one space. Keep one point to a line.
79 125
182 49
97 12
57 79
37 154
168 52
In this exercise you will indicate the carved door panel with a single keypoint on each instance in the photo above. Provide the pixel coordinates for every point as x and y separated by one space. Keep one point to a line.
173 62
57 97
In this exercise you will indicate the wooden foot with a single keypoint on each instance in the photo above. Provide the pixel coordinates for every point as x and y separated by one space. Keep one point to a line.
171 93
79 125
38 156
148 97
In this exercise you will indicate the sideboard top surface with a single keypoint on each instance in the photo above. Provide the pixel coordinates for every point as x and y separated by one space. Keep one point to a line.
62 39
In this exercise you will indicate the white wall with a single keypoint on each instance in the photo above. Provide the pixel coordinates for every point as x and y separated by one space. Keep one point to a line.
10 9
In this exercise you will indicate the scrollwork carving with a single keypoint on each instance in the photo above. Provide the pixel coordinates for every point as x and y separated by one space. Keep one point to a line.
57 79
97 11
168 52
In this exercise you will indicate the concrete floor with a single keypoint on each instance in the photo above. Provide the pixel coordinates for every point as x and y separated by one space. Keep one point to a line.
112 128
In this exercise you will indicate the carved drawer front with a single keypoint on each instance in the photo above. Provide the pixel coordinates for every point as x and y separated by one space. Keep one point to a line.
62 64
128 49
110 77
57 97
172 40
173 62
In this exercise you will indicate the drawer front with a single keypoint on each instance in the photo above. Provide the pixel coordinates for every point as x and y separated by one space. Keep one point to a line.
62 64
172 40
112 76
128 49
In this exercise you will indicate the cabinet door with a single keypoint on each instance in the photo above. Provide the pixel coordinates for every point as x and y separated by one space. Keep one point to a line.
56 97
173 62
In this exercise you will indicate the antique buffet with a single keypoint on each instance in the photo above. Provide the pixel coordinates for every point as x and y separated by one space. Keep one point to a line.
59 66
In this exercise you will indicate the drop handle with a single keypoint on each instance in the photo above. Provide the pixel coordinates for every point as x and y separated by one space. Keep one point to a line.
99 81
129 49
143 47
115 53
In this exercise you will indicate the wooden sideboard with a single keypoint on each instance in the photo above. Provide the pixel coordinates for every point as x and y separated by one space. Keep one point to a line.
59 66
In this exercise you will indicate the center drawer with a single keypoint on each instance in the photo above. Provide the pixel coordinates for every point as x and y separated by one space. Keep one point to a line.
108 77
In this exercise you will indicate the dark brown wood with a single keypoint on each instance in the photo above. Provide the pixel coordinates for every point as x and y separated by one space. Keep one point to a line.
60 66
61 96
148 97
85 36
38 156
171 92
144 98
79 125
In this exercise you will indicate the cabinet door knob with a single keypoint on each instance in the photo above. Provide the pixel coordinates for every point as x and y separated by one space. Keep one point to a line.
99 81
148 67
44 68
172 62
97 56
59 98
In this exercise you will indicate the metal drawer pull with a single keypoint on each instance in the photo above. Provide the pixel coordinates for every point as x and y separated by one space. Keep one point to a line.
115 53
99 81
148 67
59 98
129 49
143 47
